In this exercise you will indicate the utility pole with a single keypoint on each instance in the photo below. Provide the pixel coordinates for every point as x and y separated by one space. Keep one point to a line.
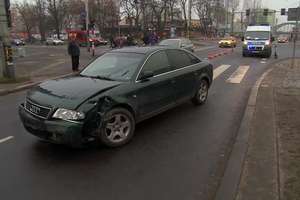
4 39
87 22
296 35
190 17
227 14
242 22
232 21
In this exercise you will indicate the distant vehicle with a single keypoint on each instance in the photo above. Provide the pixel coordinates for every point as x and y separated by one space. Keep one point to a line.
283 39
228 42
18 42
114 93
183 43
53 41
82 38
258 41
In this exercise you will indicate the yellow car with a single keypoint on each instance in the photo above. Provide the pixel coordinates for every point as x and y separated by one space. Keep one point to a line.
228 42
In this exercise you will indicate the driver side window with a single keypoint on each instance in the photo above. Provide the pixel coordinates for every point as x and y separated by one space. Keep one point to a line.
158 63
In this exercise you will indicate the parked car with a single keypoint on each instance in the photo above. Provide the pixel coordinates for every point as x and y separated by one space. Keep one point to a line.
18 42
53 41
228 42
183 43
97 41
283 39
113 93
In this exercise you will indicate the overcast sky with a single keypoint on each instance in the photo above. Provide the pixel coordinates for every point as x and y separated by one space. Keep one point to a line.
271 4
277 4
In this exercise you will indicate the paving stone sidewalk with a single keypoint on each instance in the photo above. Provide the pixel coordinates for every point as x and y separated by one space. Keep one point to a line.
272 165
36 71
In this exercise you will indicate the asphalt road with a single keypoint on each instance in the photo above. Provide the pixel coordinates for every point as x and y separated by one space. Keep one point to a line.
178 155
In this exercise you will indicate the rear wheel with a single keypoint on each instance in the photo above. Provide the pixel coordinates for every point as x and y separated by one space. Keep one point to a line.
117 128
201 94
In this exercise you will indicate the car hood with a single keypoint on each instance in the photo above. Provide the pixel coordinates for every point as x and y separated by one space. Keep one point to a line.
68 92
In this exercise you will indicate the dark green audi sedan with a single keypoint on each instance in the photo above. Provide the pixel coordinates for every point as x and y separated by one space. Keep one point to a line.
113 93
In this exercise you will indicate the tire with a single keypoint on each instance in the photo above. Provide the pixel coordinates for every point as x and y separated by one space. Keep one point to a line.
117 123
201 95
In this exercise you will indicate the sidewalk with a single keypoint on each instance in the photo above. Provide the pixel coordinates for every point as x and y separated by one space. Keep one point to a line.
271 169
55 67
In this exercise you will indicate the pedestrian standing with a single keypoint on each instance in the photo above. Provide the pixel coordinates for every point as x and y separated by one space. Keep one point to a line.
74 52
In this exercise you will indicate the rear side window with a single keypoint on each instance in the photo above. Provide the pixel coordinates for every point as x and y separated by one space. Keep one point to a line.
179 59
157 63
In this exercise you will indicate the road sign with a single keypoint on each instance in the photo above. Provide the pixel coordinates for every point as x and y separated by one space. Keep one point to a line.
294 14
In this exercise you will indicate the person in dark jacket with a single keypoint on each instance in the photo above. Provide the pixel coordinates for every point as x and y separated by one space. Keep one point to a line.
74 52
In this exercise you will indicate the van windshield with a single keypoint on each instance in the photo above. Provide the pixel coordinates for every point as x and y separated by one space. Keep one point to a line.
257 35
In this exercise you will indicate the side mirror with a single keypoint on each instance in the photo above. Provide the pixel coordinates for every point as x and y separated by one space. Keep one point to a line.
146 75
183 45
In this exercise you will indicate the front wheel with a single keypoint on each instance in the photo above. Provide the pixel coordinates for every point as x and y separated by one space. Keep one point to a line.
117 128
201 94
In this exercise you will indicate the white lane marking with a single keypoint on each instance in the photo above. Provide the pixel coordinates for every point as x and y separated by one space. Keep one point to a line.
218 71
6 139
239 74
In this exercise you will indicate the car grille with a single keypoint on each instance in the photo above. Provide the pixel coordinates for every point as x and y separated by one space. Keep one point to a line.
256 43
37 110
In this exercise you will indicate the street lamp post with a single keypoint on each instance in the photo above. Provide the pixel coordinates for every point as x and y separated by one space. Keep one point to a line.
87 23
119 21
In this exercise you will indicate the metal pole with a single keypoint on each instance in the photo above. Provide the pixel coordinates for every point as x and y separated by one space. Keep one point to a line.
295 37
242 22
295 40
4 39
190 17
227 14
119 20
232 22
87 21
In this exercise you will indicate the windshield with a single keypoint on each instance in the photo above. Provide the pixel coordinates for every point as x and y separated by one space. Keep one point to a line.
115 66
172 43
257 35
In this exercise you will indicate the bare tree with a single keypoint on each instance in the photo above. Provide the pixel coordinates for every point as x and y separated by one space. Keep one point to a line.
158 7
205 10
41 17
183 5
105 13
74 11
27 13
171 5
57 10
234 4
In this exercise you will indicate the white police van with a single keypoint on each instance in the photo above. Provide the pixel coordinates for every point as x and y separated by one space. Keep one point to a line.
258 41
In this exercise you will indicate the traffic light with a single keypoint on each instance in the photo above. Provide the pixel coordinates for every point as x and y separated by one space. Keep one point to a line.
266 12
8 13
283 11
8 54
248 12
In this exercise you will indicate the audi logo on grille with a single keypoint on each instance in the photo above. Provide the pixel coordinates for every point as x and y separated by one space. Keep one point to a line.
34 109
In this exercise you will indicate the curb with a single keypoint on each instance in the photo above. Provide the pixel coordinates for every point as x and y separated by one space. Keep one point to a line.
219 54
29 85
230 182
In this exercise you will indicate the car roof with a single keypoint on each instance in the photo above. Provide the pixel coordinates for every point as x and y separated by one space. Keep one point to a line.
139 50
259 28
